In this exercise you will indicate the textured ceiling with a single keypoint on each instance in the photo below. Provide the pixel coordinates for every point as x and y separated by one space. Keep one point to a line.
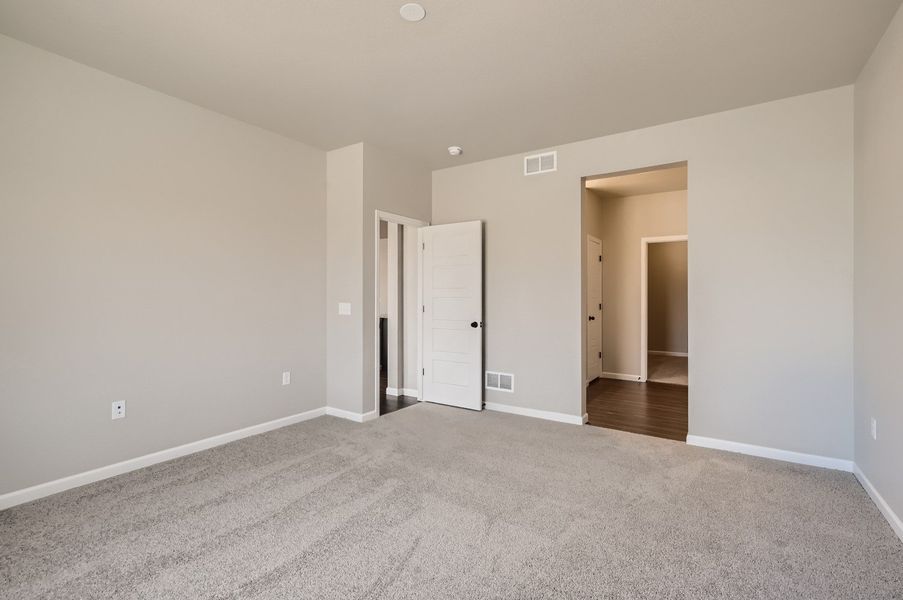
496 77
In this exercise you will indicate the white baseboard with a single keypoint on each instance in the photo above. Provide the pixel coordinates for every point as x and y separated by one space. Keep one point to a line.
895 522
407 392
813 460
666 353
538 414
351 416
72 481
621 376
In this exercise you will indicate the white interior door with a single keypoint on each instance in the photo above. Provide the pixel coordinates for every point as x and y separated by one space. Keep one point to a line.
593 308
452 321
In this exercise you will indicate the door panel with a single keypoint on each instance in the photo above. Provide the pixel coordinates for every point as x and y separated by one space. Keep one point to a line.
452 293
593 309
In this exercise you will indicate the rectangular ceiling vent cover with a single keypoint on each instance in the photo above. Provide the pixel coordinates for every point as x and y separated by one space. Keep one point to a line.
503 382
541 163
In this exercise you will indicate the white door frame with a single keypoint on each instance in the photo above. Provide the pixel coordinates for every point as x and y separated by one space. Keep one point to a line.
381 215
586 316
644 296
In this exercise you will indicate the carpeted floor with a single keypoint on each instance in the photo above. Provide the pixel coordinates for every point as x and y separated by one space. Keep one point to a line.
434 502
667 369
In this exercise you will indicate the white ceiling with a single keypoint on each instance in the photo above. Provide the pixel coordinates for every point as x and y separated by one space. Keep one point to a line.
640 183
494 76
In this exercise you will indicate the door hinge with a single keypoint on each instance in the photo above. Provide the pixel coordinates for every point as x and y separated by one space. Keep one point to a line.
423 246
423 371
600 355
423 308
600 306
600 258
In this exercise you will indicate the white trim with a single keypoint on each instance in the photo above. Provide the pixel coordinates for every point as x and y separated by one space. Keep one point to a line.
352 416
72 481
407 392
667 353
801 458
621 376
381 215
895 522
644 296
538 414
588 239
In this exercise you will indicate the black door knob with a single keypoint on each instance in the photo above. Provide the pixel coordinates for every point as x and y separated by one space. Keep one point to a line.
474 324
592 318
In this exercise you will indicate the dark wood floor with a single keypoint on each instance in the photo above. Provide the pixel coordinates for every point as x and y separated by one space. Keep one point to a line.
388 404
657 409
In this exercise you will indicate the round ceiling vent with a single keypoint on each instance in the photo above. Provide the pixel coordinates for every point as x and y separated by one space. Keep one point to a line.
412 12
455 150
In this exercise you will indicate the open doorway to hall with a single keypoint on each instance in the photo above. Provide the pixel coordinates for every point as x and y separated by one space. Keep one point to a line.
636 351
396 312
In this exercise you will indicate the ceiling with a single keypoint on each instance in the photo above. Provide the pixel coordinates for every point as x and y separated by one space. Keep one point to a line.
496 77
639 183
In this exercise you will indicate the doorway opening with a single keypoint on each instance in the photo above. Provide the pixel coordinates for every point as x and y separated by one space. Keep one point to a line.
636 352
396 316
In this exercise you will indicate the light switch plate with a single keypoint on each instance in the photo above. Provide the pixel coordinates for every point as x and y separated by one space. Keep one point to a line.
118 410
344 308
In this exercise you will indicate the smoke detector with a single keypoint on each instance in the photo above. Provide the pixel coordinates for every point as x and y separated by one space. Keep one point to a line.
412 12
455 150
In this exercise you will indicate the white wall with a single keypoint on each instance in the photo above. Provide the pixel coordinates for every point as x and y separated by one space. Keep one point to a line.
770 268
879 254
150 251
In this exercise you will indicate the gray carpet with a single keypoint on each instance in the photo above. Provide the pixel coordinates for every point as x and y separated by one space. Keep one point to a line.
433 502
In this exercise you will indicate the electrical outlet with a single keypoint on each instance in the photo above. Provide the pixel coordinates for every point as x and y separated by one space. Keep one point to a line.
118 410
874 428
286 377
344 308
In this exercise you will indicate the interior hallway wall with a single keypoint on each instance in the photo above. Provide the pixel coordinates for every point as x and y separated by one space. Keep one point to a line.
667 297
768 185
151 251
624 222
878 254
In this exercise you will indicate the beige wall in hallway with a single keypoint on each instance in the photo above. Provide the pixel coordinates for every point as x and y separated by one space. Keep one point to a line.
151 251
879 253
768 185
668 297
622 223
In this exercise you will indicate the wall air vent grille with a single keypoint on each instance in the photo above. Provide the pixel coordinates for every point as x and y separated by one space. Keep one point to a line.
503 382
541 163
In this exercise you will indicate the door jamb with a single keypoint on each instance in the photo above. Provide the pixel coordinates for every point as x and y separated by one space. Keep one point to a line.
381 215
644 296
586 292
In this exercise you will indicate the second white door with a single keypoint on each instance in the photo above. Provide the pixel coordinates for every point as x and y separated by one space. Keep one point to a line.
593 308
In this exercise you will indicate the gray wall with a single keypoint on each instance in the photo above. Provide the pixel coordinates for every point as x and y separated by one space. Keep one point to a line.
770 306
153 252
879 254
361 180
668 297
344 276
